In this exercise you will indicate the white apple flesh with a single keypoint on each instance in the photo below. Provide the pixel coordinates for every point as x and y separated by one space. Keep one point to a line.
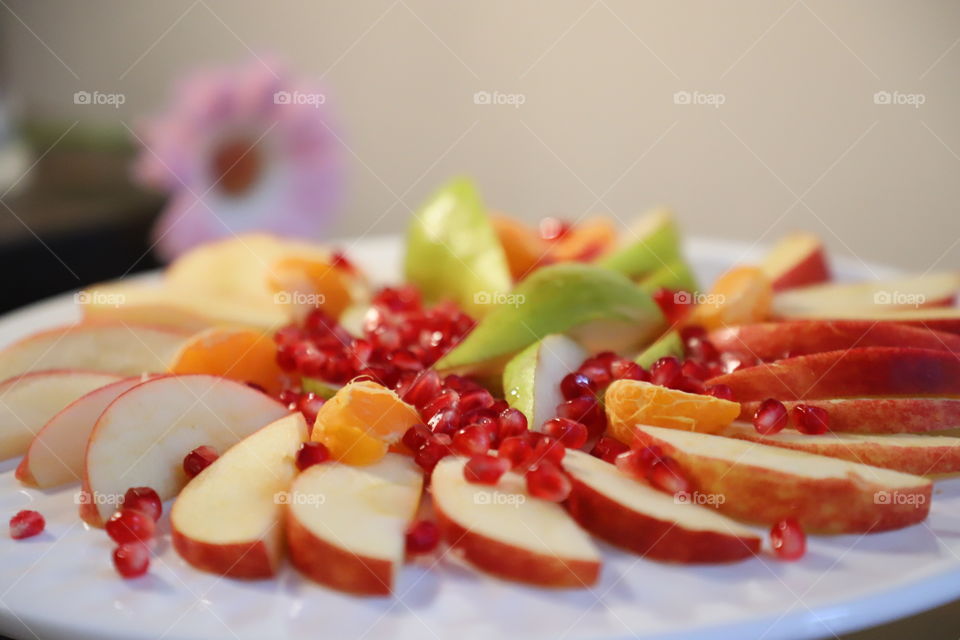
531 380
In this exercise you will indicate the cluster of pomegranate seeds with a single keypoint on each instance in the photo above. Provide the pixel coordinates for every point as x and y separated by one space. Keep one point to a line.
608 448
26 524
311 453
145 500
129 525
400 338
198 460
788 539
546 480
772 416
422 537
652 465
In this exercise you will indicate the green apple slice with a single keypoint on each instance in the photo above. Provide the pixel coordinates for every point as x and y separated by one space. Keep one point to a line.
669 344
555 299
675 275
531 380
453 252
649 244
319 388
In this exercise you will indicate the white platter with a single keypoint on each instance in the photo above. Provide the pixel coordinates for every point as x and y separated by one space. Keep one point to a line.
62 585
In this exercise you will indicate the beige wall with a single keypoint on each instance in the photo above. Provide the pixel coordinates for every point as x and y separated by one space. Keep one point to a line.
798 142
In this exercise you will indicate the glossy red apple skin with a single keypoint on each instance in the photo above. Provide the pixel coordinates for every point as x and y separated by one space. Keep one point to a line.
650 537
314 556
811 269
869 371
880 415
762 495
247 561
878 451
770 341
512 563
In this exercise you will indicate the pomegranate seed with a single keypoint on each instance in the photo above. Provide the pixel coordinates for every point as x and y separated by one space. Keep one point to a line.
810 420
309 405
448 399
570 433
430 454
422 537
667 476
499 406
131 559
471 440
608 449
693 369
788 540
312 453
687 384
477 399
702 349
415 437
289 398
547 448
770 418
284 357
425 387
144 500
198 460
405 360
638 463
692 332
289 334
512 423
670 304
339 260
575 385
721 391
127 525
485 469
546 481
26 524
598 375
447 421
665 371
517 450
586 410
628 370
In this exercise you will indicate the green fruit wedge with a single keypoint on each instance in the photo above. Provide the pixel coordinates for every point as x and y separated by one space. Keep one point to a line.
320 388
648 245
453 252
669 344
675 275
555 299
531 380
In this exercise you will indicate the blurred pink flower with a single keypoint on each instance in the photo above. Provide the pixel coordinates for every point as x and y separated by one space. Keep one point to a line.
240 149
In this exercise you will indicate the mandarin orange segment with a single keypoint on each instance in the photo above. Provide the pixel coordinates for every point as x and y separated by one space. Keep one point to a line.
524 248
742 295
360 422
585 241
632 402
325 285
245 355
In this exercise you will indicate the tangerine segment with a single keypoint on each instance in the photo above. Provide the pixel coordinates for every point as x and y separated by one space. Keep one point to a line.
245 355
742 295
523 247
632 402
585 241
319 283
366 416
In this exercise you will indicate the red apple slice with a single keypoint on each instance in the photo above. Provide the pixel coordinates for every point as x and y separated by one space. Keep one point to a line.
935 289
228 520
122 349
503 531
764 484
869 371
55 455
920 455
771 341
648 522
141 438
346 525
798 260
27 402
880 415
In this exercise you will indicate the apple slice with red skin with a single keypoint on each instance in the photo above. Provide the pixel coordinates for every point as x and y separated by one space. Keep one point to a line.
141 438
910 453
866 371
55 455
503 531
770 341
229 519
928 290
879 415
764 484
797 260
346 524
636 517
943 319
28 401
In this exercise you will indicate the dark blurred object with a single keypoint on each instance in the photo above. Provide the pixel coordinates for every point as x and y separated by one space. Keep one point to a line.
78 221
